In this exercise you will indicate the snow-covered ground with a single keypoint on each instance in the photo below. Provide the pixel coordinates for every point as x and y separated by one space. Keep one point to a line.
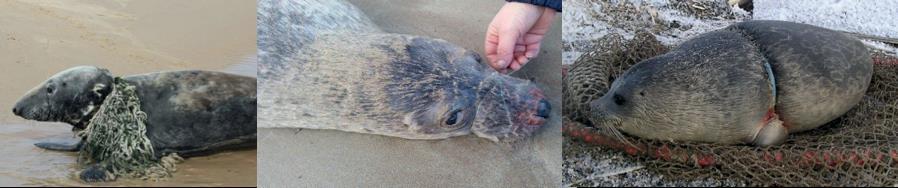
584 21
876 18
872 17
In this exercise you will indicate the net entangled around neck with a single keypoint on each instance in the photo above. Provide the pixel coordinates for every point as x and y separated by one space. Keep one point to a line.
116 138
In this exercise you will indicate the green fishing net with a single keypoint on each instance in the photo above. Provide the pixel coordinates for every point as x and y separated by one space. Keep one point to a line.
858 149
116 139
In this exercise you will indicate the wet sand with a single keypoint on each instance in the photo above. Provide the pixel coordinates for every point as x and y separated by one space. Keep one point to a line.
306 157
41 38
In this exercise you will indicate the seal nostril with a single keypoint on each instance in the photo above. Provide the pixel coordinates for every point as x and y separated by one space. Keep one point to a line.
16 111
544 109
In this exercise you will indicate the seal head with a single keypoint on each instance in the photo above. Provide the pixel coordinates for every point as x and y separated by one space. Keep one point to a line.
445 90
509 108
70 96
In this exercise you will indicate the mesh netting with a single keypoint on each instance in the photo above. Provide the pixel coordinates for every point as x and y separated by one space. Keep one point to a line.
116 139
858 149
592 74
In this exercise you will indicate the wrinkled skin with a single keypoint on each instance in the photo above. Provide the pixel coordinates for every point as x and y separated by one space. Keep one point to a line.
331 68
191 113
715 87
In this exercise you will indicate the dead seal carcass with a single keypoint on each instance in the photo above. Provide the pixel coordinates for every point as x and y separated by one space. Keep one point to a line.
324 65
752 82
190 113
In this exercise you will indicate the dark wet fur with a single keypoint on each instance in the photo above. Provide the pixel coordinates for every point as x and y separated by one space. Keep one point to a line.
206 127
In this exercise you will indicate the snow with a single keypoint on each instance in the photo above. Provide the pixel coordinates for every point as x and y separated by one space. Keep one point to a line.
584 21
877 17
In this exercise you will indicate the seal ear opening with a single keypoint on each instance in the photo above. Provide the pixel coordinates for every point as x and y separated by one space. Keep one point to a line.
99 90
104 83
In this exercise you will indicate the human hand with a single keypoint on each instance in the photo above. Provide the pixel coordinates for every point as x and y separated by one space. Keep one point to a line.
515 34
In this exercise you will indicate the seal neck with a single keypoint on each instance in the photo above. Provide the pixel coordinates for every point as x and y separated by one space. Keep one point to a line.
84 121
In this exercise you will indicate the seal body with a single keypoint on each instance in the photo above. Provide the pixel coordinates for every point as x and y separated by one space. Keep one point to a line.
331 68
190 113
752 82
197 112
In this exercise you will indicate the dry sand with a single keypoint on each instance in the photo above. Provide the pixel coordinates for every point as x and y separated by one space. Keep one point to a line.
41 38
306 157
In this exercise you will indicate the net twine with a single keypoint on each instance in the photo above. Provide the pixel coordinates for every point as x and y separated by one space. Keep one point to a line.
116 139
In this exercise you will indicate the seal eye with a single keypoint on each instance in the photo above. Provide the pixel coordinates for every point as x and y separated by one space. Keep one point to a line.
453 117
619 100
49 90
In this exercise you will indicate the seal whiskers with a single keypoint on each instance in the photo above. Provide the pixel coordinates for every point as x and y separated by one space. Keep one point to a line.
607 124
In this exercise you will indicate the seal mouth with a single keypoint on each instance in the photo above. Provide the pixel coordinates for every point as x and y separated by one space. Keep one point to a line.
606 122
40 108
34 106
37 114
509 108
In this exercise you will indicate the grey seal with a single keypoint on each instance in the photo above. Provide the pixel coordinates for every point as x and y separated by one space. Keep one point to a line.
753 82
191 113
325 65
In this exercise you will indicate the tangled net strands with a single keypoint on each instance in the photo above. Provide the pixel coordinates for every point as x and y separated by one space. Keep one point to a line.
591 75
858 149
116 139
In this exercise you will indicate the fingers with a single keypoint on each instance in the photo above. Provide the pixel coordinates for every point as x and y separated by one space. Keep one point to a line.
525 49
532 50
491 40
516 66
514 35
491 48
506 46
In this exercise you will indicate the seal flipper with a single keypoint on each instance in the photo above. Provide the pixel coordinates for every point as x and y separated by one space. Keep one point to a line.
96 173
61 145
773 133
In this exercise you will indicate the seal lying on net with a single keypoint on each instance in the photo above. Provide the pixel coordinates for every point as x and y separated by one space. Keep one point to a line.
857 149
752 82
324 65
188 113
